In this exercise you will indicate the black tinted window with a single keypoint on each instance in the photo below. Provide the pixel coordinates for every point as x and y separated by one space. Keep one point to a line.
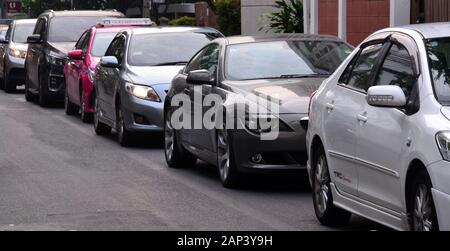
164 48
397 69
69 29
22 31
439 58
101 43
207 59
357 75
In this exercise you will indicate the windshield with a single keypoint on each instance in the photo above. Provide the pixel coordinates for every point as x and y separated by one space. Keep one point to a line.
22 31
165 48
284 59
101 43
69 29
438 57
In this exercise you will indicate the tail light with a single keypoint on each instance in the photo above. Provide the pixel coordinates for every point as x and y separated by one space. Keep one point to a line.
310 102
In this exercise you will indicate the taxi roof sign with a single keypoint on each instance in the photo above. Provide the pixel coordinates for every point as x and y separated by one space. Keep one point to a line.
110 22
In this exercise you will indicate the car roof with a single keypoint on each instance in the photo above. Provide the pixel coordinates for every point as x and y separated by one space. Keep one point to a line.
83 13
172 29
431 30
25 21
279 37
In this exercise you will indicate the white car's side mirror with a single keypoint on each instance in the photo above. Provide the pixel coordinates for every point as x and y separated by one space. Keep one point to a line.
386 96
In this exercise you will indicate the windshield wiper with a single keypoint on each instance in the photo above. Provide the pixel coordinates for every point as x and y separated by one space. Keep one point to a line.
172 63
305 76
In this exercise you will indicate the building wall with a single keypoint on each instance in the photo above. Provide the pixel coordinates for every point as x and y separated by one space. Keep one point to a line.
366 16
252 15
328 17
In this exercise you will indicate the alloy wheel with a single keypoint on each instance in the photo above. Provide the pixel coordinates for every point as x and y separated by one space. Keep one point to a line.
96 112
120 125
82 106
169 139
321 185
223 153
422 214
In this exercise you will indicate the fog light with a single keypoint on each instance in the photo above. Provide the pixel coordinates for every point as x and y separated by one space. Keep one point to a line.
257 158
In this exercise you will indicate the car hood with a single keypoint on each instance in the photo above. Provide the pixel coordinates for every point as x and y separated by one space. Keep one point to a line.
19 46
62 48
293 95
153 75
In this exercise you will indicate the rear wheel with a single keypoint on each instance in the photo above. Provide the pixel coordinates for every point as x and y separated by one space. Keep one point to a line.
327 213
176 156
69 107
100 128
423 211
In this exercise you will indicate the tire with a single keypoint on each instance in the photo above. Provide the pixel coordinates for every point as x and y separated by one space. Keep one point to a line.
124 136
44 99
69 107
9 86
326 212
85 116
29 97
100 128
176 156
229 175
422 208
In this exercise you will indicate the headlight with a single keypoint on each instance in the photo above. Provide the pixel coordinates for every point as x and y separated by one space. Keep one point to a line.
443 142
17 53
91 75
142 92
56 60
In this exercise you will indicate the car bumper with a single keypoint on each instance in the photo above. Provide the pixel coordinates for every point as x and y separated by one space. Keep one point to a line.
142 115
440 177
15 68
287 152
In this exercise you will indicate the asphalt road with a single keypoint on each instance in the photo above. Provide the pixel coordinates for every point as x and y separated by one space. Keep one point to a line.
56 174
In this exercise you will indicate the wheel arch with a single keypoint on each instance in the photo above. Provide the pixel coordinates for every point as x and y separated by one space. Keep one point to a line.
316 142
414 168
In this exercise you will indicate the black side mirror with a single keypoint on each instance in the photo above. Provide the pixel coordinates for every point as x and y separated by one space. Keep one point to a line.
109 62
34 39
199 77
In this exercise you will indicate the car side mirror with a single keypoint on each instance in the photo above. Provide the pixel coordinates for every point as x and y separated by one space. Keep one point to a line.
109 62
75 54
199 77
34 39
3 40
386 96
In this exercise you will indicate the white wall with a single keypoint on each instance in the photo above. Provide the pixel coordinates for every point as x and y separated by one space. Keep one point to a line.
252 12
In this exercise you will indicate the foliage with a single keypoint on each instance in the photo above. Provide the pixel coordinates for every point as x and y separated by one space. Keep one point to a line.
183 21
287 19
228 14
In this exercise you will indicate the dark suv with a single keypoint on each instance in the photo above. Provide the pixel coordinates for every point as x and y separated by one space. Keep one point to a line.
56 33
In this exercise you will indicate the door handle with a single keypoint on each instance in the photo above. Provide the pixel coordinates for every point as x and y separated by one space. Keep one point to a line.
362 118
330 106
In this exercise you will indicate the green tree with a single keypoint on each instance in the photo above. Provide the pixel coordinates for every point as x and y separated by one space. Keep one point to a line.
287 19
228 13
183 21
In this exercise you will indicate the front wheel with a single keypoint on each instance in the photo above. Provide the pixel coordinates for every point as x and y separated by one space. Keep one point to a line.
29 97
225 160
176 156
69 107
85 116
423 211
125 137
9 85
44 99
327 213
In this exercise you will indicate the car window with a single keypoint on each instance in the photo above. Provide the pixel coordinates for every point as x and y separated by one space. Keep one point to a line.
357 75
82 41
22 31
397 69
40 27
207 59
116 49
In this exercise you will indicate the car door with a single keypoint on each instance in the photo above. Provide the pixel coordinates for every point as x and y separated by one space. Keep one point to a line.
383 133
342 103
201 136
74 69
113 78
35 54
